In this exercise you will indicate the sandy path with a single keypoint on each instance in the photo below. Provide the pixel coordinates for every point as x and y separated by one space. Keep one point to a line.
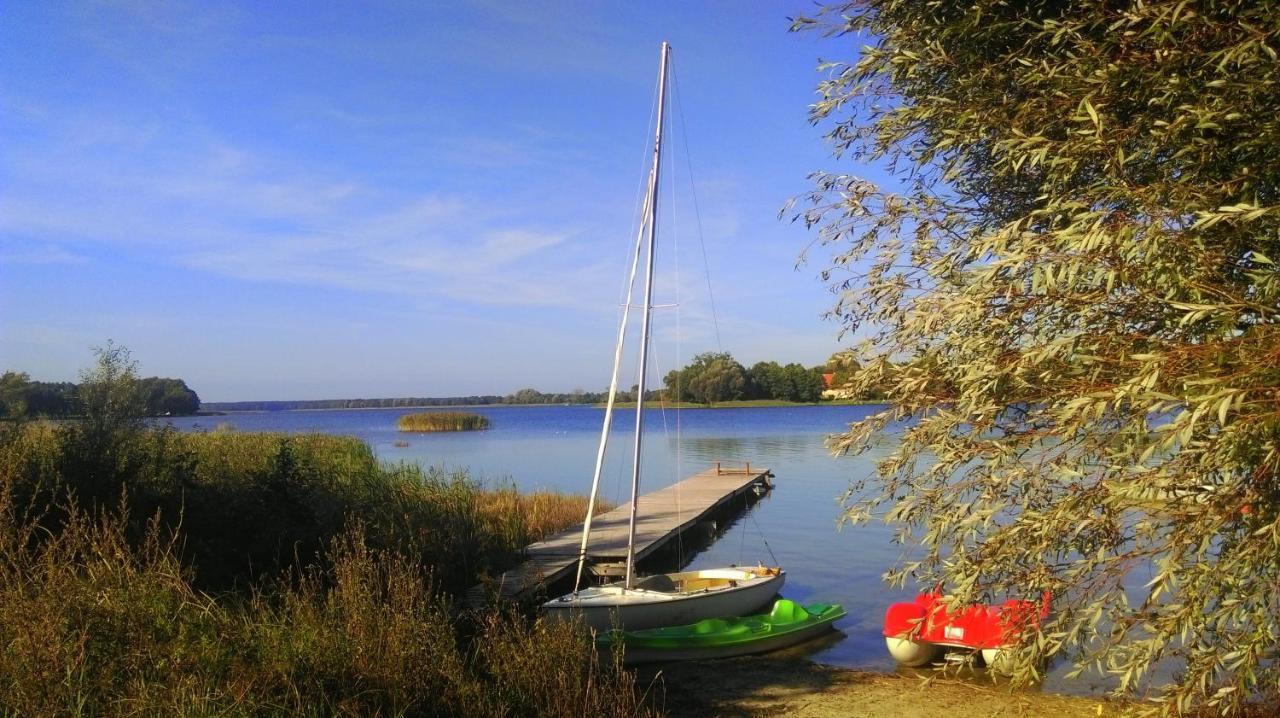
765 686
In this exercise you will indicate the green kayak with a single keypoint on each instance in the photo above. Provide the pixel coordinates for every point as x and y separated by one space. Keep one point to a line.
787 624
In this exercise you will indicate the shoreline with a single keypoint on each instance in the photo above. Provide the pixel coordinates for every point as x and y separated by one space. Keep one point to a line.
747 404
787 685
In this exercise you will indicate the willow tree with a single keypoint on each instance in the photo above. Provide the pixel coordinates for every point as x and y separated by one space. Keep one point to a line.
1071 293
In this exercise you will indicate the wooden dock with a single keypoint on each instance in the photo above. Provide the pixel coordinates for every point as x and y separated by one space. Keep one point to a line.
661 516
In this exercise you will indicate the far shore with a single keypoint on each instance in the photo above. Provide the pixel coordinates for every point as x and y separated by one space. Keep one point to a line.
745 404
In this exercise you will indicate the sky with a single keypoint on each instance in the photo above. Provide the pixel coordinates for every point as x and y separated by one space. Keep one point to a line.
338 200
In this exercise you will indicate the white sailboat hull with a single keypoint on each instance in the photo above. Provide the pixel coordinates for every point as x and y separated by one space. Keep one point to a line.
692 597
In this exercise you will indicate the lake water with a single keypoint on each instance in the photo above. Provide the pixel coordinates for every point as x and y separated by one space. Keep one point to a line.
554 447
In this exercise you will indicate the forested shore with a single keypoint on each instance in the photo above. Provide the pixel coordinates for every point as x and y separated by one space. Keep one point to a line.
710 378
22 398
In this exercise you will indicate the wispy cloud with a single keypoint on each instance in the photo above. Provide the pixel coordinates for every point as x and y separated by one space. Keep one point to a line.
220 208
38 253
174 182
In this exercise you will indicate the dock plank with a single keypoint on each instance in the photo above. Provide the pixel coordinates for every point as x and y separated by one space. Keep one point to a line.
661 515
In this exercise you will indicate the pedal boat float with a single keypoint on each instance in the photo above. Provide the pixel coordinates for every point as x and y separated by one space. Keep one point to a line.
920 632
787 624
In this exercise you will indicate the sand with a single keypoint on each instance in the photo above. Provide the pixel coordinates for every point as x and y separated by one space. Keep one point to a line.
788 686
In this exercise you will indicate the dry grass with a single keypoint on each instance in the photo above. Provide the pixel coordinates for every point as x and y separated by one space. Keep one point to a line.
540 514
442 421
253 506
174 574
521 660
93 625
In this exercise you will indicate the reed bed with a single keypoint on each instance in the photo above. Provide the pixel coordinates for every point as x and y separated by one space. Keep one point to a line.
95 624
442 421
252 506
151 572
541 513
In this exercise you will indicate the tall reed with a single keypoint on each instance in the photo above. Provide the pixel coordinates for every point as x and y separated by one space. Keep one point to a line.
143 571
539 514
442 421
254 505
95 624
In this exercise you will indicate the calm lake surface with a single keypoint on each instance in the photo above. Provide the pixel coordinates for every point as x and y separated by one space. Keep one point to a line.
554 447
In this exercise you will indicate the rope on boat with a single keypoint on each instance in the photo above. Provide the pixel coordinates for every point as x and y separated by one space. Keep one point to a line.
765 540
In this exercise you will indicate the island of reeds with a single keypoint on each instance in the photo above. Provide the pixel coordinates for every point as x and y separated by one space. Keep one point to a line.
443 421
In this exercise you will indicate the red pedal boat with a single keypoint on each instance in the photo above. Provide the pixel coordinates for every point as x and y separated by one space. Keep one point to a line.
918 633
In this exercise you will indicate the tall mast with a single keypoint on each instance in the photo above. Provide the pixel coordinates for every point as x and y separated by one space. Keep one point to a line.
613 395
647 312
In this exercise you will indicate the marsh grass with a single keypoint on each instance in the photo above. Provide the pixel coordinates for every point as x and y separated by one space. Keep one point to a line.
516 656
254 506
242 573
442 421
96 625
540 514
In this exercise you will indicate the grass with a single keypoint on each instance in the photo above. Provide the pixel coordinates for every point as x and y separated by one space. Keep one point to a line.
96 625
150 572
442 421
254 505
541 513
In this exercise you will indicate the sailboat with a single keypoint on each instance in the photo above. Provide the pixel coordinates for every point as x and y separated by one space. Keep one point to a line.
671 599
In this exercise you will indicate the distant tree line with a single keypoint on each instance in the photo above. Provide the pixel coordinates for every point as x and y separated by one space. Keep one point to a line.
711 377
392 403
716 376
578 396
523 396
20 397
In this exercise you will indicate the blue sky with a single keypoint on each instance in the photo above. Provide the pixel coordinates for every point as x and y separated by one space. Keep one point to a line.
310 200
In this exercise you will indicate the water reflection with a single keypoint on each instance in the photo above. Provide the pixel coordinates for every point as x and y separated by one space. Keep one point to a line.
731 448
